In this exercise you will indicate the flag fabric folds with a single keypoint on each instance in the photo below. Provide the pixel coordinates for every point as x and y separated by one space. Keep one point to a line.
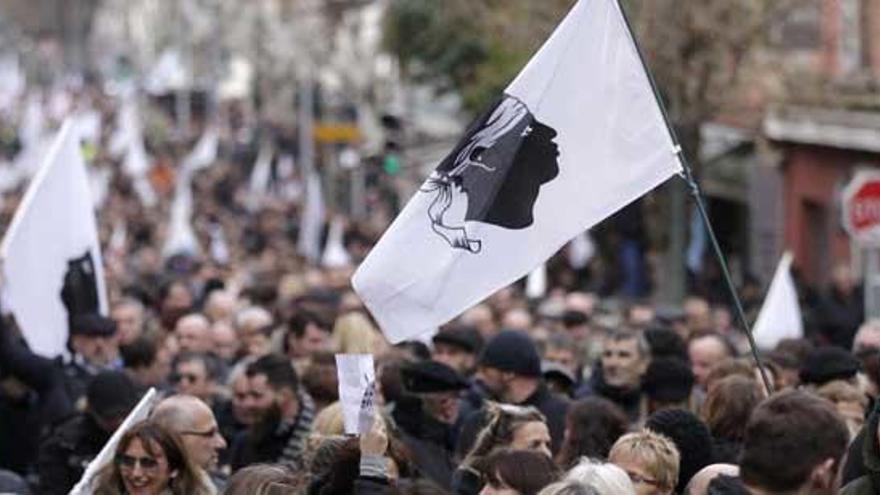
53 233
780 316
575 137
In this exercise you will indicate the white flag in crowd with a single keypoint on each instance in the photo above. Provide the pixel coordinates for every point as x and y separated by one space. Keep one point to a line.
574 138
140 412
780 316
335 254
357 376
205 152
52 234
581 250
181 236
536 282
311 223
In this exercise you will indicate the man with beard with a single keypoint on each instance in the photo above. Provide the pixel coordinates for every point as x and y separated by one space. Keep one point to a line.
284 416
618 378
428 422
509 370
192 420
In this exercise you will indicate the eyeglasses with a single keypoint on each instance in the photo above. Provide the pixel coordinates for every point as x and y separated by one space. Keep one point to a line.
637 479
206 434
129 462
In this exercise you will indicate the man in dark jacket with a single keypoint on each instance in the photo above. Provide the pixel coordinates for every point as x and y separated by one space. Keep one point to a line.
285 416
428 426
510 371
867 446
93 349
618 377
73 443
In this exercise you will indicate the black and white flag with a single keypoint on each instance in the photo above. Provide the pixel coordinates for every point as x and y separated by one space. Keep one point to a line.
575 137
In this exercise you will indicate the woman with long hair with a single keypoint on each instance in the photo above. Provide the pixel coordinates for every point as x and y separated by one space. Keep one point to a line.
151 460
591 428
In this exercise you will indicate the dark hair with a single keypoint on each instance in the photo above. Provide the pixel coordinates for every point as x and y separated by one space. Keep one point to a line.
787 437
151 434
211 363
263 479
728 406
592 427
278 370
525 471
140 353
664 342
301 319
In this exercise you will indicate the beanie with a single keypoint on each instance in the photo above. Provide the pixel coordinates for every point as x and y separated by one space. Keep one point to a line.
825 364
668 380
512 351
691 437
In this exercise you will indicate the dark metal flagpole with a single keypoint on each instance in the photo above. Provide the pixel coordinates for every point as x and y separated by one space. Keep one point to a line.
688 176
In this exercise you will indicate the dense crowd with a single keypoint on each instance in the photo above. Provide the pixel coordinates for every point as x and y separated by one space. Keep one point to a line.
576 392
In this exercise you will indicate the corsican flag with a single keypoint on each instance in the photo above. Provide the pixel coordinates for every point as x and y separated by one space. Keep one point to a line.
575 137
52 244
780 316
311 222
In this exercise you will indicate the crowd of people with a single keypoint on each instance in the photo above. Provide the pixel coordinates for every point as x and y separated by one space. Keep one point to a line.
572 393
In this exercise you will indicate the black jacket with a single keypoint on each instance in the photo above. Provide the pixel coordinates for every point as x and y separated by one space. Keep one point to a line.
863 477
66 451
627 399
432 444
553 406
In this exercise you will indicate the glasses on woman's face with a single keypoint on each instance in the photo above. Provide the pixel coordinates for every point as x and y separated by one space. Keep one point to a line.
638 479
126 461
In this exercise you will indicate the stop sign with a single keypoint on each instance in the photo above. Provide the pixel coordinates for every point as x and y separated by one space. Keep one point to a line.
861 208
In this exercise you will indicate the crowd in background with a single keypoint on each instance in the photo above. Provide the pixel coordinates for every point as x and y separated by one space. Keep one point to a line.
574 392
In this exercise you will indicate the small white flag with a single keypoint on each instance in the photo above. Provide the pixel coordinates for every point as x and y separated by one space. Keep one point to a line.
205 152
536 282
53 235
260 176
357 376
581 250
181 236
311 223
335 254
578 135
780 316
140 412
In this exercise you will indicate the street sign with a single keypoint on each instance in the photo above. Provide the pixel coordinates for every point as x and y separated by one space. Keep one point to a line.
861 208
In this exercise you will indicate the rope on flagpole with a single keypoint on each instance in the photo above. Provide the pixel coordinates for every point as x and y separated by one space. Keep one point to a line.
690 180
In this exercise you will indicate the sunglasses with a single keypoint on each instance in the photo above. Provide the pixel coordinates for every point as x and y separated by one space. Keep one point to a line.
179 377
130 462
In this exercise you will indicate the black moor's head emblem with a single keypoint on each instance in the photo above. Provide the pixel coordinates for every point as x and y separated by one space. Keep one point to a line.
494 174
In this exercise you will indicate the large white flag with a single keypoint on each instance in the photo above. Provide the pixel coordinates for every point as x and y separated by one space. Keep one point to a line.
53 235
780 316
204 153
575 137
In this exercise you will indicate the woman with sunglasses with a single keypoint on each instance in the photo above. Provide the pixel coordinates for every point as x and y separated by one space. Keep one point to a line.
150 460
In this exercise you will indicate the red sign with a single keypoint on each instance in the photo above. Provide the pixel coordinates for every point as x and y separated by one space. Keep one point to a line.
861 207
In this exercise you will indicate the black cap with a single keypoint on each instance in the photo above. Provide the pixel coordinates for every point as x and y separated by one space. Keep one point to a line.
825 364
466 338
425 377
92 325
512 351
555 371
111 394
668 380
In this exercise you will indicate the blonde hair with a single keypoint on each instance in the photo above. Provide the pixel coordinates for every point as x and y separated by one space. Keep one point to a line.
656 453
353 333
329 421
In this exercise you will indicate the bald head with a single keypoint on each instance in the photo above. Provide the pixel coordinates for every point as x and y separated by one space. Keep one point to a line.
193 420
699 484
179 412
193 333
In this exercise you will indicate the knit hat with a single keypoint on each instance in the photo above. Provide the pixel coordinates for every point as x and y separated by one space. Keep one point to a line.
828 363
512 351
691 437
425 377
111 394
464 337
668 379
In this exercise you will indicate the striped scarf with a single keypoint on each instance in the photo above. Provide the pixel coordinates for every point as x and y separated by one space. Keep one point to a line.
298 430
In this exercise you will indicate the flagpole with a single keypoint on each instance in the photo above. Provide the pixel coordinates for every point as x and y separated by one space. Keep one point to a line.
688 176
